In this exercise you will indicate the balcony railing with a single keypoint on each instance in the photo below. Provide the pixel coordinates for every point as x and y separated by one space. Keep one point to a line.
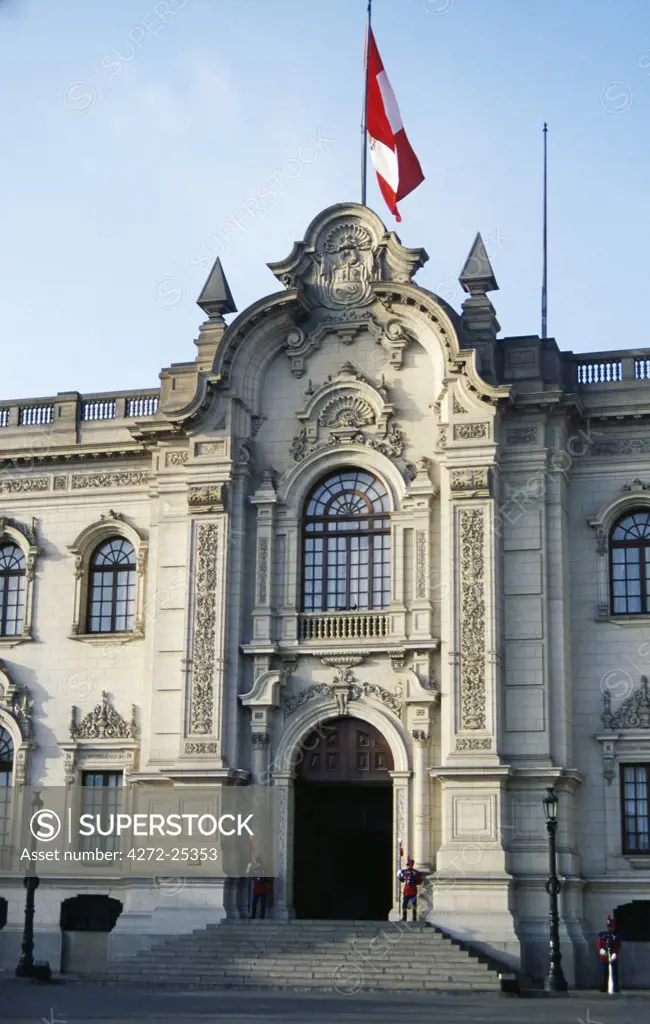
99 410
68 409
343 626
612 368
606 371
35 415
145 405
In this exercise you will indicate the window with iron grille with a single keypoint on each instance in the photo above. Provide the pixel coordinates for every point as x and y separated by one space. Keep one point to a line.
634 802
629 549
102 793
346 544
6 772
12 589
111 588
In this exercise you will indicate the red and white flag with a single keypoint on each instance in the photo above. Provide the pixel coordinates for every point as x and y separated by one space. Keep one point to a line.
398 169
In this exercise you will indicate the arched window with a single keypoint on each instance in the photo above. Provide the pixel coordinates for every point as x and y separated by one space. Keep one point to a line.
6 769
629 546
12 590
111 589
346 564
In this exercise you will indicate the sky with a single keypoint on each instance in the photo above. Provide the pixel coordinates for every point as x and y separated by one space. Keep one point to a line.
136 136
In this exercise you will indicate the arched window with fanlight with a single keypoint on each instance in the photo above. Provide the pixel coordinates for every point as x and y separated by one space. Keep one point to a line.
346 544
629 546
6 770
111 587
12 589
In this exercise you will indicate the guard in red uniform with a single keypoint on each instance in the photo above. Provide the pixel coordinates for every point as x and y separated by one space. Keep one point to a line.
410 879
609 948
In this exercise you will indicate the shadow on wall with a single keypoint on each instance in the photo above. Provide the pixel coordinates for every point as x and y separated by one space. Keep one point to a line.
85 924
633 926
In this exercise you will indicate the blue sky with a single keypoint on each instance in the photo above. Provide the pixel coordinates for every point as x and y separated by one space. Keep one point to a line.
136 133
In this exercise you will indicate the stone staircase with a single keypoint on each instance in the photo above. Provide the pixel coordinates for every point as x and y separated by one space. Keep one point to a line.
342 956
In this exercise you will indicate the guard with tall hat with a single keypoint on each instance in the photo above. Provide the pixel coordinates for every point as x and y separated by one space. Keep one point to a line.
609 949
410 879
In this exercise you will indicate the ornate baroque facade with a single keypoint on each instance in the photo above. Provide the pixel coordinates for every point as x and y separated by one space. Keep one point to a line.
495 657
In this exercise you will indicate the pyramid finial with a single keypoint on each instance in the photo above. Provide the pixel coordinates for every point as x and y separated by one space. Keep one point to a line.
477 276
216 297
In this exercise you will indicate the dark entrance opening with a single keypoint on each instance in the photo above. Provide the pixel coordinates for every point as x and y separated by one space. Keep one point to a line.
343 824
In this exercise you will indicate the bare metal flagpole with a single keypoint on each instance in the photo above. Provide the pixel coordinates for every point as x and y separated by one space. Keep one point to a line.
545 247
364 116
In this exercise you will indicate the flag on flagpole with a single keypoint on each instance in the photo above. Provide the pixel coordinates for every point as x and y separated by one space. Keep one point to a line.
398 168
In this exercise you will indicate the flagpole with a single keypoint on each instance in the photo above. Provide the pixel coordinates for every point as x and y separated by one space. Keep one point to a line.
545 246
364 116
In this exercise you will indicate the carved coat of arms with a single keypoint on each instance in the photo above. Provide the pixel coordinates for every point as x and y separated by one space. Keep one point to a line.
347 263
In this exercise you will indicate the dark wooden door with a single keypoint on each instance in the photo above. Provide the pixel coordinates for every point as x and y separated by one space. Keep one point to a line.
343 824
345 750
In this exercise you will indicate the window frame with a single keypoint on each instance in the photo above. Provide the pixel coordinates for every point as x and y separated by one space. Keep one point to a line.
5 591
111 525
645 765
24 538
644 564
347 535
114 570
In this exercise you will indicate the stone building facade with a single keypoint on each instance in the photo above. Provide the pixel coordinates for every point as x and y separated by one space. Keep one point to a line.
485 639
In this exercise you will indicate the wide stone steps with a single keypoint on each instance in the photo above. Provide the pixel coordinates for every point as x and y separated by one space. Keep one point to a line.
347 956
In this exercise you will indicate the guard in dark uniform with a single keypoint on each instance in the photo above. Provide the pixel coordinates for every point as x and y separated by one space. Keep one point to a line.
609 948
260 890
410 879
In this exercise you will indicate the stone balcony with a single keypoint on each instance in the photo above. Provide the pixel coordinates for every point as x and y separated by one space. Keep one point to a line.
31 428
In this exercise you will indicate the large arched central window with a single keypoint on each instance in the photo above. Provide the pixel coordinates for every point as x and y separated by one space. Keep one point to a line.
630 564
346 525
12 590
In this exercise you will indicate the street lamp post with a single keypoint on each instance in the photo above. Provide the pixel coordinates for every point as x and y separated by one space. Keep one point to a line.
27 967
555 980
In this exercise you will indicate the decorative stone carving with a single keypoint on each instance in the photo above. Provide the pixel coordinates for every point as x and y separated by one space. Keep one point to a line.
60 483
13 485
126 478
262 569
192 747
207 499
633 713
348 690
103 723
176 458
346 266
420 737
471 523
15 701
522 435
464 743
347 410
205 448
636 486
421 564
476 481
471 431
203 646
456 407
260 740
621 446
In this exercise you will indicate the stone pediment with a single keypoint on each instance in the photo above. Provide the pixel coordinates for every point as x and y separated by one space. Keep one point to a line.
345 249
350 408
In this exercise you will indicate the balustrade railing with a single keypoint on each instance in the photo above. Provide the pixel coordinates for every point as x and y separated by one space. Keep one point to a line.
605 371
99 410
343 625
145 405
35 415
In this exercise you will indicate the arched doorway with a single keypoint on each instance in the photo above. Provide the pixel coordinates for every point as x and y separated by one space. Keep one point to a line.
343 823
